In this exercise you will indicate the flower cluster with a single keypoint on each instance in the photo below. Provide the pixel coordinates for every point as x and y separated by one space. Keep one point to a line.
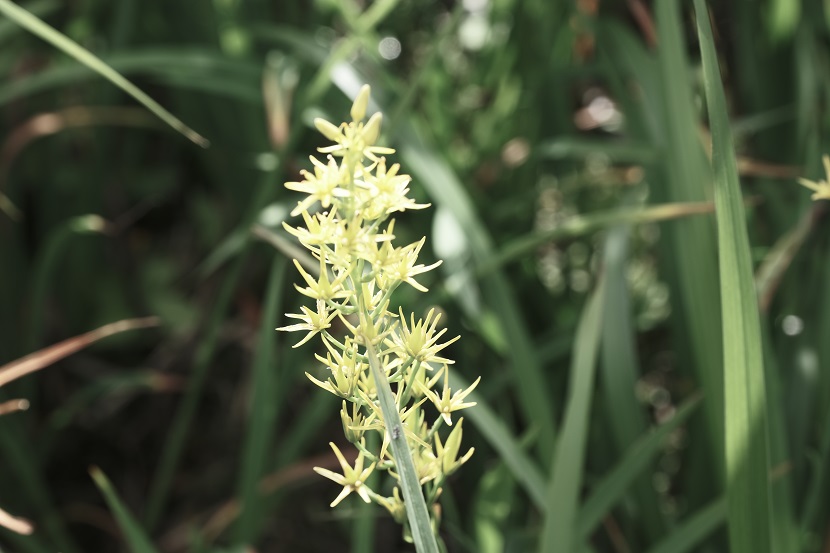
350 197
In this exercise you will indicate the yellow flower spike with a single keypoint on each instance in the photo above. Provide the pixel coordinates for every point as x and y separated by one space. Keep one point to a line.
360 268
822 187
447 402
352 479
427 465
361 102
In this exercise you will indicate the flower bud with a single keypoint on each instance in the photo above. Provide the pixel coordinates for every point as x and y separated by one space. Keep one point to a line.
361 101
328 129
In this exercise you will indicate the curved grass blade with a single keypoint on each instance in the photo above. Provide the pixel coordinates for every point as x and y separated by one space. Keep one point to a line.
39 8
263 410
51 35
136 537
559 529
180 426
46 268
192 68
619 372
780 257
580 225
569 147
637 458
445 189
691 533
523 468
746 432
45 357
691 248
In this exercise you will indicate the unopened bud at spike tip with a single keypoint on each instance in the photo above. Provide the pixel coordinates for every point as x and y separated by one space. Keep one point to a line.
361 102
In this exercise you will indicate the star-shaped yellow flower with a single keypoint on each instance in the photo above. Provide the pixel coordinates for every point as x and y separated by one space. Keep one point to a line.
352 479
822 187
448 402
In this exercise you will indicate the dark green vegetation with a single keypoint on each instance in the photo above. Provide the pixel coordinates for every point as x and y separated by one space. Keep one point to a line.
565 149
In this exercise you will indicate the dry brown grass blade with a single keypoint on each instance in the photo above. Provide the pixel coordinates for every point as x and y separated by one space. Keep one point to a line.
45 357
220 518
15 524
13 405
769 274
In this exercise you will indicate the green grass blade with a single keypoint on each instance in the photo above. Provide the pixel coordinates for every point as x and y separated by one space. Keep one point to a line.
580 225
39 8
263 410
568 147
691 247
51 35
619 372
413 494
444 188
46 269
697 528
610 490
500 438
137 539
194 67
180 426
746 433
559 529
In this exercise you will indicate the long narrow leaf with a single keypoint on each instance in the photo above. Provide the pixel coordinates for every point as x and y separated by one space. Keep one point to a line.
639 455
51 35
497 434
747 454
581 225
559 531
413 494
135 536
263 410
691 533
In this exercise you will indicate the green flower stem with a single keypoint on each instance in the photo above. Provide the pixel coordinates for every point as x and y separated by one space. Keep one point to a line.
438 423
386 295
407 392
413 495
401 370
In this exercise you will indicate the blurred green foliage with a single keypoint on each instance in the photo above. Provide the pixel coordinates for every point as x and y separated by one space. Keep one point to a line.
559 142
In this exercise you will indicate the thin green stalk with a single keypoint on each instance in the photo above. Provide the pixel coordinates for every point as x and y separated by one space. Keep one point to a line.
559 532
177 437
263 410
